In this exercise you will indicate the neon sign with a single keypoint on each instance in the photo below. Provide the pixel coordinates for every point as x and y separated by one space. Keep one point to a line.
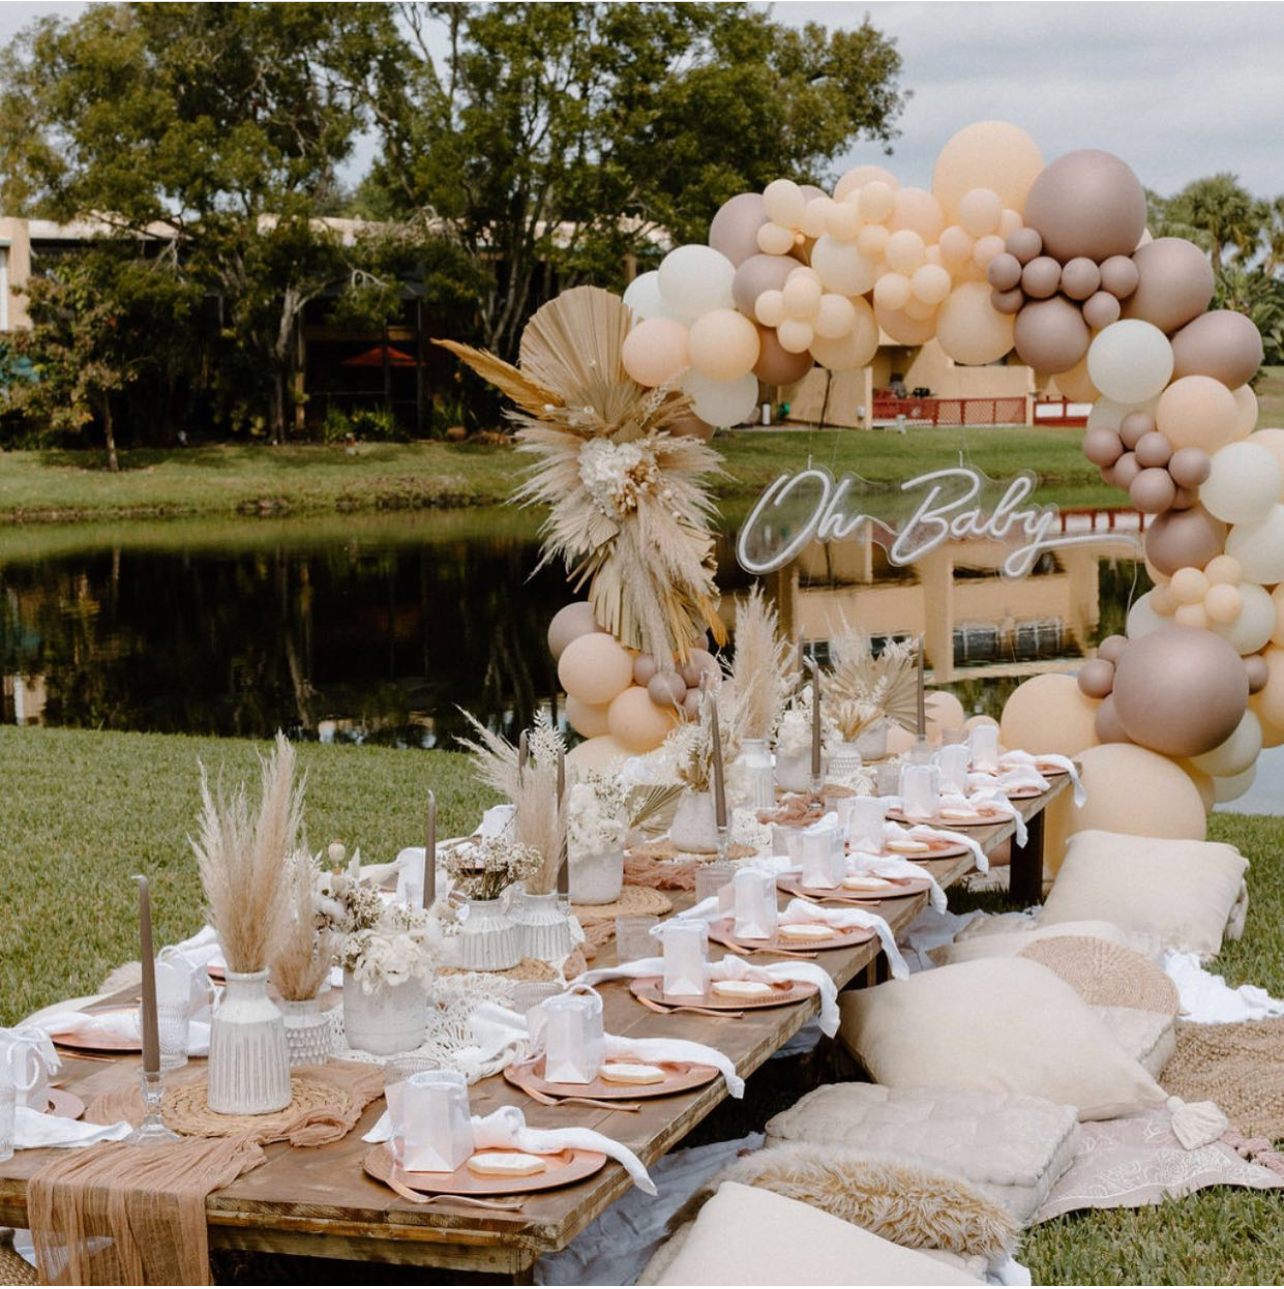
945 512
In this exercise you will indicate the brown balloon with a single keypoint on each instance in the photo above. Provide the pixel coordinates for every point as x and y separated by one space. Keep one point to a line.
1102 446
1100 310
1189 467
1134 427
1180 691
1175 283
733 231
1041 277
757 274
1004 272
1096 678
1125 470
1184 498
1024 244
1109 729
1153 449
1222 344
1087 203
776 365
1112 647
1008 302
1119 276
1051 335
1080 278
1182 538
1152 491
692 427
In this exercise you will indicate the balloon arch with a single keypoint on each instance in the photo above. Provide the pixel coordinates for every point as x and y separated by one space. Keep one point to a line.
1054 263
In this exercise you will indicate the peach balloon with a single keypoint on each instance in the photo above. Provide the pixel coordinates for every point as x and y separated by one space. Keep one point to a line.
877 201
969 330
636 722
872 241
943 712
930 283
980 211
899 740
723 344
1268 702
979 719
856 178
1197 412
595 668
835 317
987 154
586 720
1246 402
600 753
905 251
1131 790
917 209
1224 603
856 348
656 351
903 329
892 291
1076 384
1049 714
956 245
1203 783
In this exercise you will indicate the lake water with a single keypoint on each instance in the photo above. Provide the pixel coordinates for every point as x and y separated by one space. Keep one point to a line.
380 627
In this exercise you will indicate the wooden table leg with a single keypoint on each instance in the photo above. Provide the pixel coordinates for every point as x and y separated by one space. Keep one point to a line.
1025 871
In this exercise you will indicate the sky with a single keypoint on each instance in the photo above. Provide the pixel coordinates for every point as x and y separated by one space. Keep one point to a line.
1178 90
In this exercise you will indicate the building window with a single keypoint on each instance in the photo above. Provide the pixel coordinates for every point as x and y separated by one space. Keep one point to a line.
4 288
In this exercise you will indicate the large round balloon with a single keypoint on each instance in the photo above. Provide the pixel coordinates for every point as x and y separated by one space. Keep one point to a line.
986 154
595 668
723 344
1049 714
969 330
776 365
856 349
1087 203
757 274
1129 789
1197 412
1268 702
1180 692
733 232
695 279
1130 362
1051 336
656 351
1237 753
1184 538
721 402
1222 344
569 623
1175 283
1244 482
643 297
842 267
585 720
600 753
1259 547
636 722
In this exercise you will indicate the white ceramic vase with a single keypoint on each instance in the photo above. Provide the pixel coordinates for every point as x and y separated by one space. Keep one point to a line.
597 878
793 772
694 826
309 1032
390 1019
845 761
543 929
249 1065
759 774
487 939
872 741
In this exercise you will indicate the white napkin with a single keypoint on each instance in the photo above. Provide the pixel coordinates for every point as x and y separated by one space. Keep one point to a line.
731 967
24 1037
847 919
893 831
122 1024
994 797
33 1131
861 863
1010 760
1013 779
499 1032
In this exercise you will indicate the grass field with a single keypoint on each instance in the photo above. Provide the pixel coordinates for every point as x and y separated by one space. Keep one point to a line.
83 810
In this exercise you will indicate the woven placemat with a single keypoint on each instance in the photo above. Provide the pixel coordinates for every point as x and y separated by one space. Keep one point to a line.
14 1268
186 1109
634 901
1106 974
667 850
528 971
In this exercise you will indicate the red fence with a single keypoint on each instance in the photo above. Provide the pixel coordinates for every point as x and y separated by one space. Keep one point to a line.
951 411
1061 411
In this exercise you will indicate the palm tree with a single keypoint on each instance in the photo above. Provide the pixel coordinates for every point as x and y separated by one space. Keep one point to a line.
1226 218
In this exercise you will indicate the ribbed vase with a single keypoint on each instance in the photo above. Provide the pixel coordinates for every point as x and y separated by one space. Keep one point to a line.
487 939
543 930
249 1066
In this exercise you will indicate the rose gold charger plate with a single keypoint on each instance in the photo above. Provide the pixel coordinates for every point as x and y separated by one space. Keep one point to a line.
937 848
680 1076
652 989
723 931
102 1042
563 1168
792 885
988 816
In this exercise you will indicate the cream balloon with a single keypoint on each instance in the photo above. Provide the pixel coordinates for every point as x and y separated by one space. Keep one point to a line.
784 202
1268 702
695 279
658 350
856 179
1129 789
637 723
987 154
723 345
1142 618
795 336
877 201
1259 547
842 267
1237 754
802 294
769 308
1244 482
642 295
892 291
589 721
918 211
1130 361
980 211
969 330
930 283
1272 441
835 316
905 251
721 402
1234 787
600 754
595 668
1246 402
1049 714
1252 627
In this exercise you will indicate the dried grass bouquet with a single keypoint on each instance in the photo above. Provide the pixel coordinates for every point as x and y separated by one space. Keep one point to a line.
306 945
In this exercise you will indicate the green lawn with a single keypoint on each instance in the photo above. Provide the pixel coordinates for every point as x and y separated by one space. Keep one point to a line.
83 810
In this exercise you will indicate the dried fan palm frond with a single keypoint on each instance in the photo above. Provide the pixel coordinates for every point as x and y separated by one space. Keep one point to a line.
863 687
762 672
242 858
305 947
651 805
575 342
506 378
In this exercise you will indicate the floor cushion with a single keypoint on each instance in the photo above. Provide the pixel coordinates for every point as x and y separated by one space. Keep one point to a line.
1180 895
748 1236
1107 975
1149 1037
1004 936
997 1024
1012 1146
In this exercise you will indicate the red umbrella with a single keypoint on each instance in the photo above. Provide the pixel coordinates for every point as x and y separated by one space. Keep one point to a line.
374 358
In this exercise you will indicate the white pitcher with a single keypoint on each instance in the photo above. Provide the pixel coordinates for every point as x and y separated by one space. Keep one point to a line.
28 1055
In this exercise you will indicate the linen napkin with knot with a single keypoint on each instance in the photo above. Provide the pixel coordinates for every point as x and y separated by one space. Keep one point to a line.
994 798
1013 760
861 863
894 832
506 1129
798 912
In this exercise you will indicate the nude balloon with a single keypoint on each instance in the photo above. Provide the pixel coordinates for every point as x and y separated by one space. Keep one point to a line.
1182 538
987 154
968 330
856 178
585 720
733 231
1180 692
1252 627
1222 344
1196 412
723 344
595 668
1051 335
1087 203
842 267
1135 791
757 274
656 351
856 349
917 210
569 623
1174 284
1048 713
903 329
1096 678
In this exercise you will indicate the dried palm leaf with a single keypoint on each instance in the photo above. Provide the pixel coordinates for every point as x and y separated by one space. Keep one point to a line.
573 344
651 805
862 687
506 378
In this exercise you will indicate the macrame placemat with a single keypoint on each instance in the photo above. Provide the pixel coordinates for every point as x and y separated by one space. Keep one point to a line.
634 901
667 850
1239 1065
528 971
1106 974
187 1109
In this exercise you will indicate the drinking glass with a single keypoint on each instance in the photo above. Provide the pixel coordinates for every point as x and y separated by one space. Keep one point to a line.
889 781
173 1024
633 938
8 1113
863 818
953 760
984 741
711 878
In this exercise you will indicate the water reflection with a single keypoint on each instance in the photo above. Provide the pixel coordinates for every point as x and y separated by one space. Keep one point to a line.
378 628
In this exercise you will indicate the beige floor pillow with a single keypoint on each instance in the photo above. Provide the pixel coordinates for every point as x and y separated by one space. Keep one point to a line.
997 1024
748 1236
1010 1146
996 942
1178 894
1149 1037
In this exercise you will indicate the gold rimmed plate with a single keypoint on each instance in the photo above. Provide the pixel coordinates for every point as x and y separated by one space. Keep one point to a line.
89 1040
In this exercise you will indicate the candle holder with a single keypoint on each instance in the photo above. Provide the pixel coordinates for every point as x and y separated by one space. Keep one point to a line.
724 842
152 1131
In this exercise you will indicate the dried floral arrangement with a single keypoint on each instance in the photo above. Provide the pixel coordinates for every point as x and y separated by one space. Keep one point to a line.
602 810
793 733
485 869
242 856
306 946
762 672
863 688
629 511
378 942
688 750
539 818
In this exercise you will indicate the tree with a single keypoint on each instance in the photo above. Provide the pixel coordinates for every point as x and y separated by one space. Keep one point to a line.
551 141
222 124
1220 215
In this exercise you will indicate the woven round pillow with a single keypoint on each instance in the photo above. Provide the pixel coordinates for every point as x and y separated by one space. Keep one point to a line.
1106 974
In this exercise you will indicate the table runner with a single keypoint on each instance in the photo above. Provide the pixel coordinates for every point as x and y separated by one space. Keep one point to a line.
116 1214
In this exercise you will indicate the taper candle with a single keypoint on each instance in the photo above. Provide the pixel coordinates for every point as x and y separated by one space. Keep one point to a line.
430 853
815 719
522 753
147 957
564 867
922 691
719 778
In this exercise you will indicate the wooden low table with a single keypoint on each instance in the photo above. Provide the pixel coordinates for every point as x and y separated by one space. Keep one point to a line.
319 1202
